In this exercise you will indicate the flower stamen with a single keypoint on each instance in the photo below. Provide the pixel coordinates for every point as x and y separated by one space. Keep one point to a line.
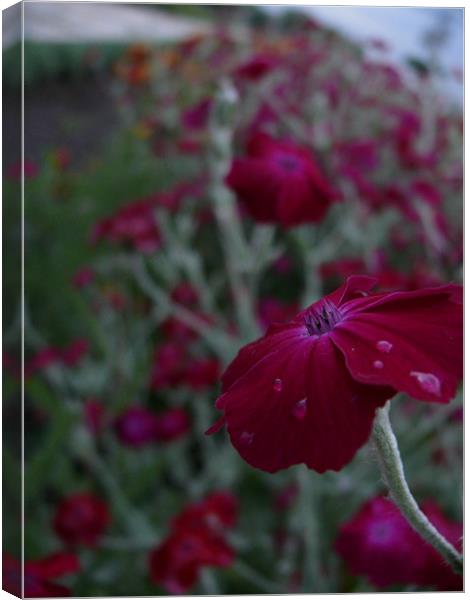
322 319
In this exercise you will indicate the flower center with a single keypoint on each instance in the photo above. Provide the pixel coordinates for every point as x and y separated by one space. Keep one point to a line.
322 318
288 162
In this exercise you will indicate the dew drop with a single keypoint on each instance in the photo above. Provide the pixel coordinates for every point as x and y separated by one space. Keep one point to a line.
246 438
384 346
300 409
378 364
277 385
429 382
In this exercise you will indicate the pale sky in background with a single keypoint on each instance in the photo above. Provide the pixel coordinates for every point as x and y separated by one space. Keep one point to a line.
401 28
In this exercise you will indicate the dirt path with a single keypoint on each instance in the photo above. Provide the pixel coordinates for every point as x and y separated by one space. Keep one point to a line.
96 22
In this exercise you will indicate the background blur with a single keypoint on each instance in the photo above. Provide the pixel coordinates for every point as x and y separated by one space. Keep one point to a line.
129 320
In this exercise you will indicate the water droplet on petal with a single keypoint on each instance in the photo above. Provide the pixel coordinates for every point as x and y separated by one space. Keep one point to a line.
428 381
378 364
246 438
300 409
384 346
277 385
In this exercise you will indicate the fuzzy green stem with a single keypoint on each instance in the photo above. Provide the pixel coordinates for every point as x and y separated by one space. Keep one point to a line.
235 247
251 575
313 580
393 474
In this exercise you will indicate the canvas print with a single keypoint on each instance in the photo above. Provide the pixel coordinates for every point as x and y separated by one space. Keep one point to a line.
232 299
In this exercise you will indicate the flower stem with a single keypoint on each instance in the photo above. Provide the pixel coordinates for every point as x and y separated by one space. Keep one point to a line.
313 580
238 258
393 474
254 577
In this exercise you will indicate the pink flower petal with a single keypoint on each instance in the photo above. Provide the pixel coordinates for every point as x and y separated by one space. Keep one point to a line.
409 340
300 405
340 411
251 354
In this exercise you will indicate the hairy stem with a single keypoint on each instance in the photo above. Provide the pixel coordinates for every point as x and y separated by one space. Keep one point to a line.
313 580
238 260
393 474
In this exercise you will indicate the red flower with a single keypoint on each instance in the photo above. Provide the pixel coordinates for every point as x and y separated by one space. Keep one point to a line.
307 391
177 331
184 293
257 67
173 365
405 135
379 543
74 352
171 425
176 563
168 368
30 170
427 192
136 427
190 145
83 277
196 540
134 224
201 373
81 519
38 575
359 154
43 359
49 355
217 510
197 116
279 182
94 416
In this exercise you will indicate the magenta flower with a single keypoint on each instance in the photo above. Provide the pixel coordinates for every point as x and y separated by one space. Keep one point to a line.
201 373
171 424
133 224
72 354
184 293
280 182
257 67
94 416
30 170
83 277
196 116
136 427
379 543
308 390
69 356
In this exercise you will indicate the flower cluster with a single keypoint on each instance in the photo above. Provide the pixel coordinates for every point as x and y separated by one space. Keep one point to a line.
137 426
69 356
135 224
